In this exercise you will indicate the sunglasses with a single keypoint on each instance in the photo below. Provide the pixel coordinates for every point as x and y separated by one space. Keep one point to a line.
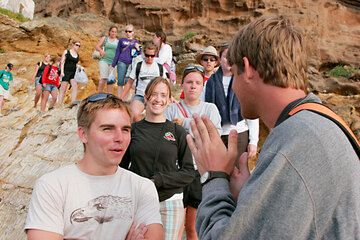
206 59
100 96
194 67
128 31
78 45
149 55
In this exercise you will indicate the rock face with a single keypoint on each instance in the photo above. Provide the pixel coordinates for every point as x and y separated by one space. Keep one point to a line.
332 27
32 145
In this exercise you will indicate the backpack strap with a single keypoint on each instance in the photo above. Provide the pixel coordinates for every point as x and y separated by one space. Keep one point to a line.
137 73
328 113
161 69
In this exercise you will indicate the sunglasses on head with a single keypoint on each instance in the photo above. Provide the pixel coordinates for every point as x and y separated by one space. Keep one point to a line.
149 55
128 31
78 45
194 67
99 96
206 59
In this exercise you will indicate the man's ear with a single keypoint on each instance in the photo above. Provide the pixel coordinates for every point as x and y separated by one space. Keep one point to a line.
82 133
248 69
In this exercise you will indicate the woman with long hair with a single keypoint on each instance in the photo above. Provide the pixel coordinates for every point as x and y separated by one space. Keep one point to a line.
158 150
107 47
69 61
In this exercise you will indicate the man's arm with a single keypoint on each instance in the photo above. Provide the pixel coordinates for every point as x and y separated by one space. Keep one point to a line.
36 234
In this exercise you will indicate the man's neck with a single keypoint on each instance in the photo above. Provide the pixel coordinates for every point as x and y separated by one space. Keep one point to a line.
276 99
88 166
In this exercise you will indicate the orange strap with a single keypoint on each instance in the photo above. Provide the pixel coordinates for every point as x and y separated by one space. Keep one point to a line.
326 112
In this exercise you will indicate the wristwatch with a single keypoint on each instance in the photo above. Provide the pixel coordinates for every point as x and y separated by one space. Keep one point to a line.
207 176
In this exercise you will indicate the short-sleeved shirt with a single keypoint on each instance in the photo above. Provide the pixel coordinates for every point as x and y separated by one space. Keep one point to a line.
146 74
5 78
76 205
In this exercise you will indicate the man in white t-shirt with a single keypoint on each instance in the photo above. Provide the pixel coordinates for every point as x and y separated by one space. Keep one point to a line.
142 74
95 198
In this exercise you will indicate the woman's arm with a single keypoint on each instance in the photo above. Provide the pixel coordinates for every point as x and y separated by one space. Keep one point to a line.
99 46
63 58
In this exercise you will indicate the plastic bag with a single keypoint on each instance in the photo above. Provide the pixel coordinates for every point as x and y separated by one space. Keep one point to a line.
80 76
111 78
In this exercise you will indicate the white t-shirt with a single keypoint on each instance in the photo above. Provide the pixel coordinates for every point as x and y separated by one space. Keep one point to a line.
165 54
76 205
146 74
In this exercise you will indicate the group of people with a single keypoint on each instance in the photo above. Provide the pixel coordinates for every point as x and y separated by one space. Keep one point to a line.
194 153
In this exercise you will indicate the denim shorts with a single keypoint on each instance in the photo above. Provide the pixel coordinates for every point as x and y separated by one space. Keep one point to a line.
139 98
37 81
122 69
49 87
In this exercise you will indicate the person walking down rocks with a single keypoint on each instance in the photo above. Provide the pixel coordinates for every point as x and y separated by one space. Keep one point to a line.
107 47
69 61
39 69
50 83
95 198
123 56
142 74
158 151
164 55
5 78
306 183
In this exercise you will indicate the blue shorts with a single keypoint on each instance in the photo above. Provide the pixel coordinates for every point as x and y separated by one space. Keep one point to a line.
139 98
49 87
122 69
37 81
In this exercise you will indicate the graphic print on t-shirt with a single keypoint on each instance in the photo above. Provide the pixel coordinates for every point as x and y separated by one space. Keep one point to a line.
104 209
169 136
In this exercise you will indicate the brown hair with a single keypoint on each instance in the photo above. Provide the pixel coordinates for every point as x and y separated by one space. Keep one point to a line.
150 46
161 35
275 48
113 26
87 110
153 83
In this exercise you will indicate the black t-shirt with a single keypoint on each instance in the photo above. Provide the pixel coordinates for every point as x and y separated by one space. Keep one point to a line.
41 68
159 151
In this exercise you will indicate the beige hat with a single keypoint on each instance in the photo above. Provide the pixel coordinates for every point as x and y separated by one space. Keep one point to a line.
210 50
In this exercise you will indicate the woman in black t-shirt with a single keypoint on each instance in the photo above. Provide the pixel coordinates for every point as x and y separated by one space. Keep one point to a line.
159 151
69 61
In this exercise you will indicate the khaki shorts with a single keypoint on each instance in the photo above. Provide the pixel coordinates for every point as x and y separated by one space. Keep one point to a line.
104 69
4 92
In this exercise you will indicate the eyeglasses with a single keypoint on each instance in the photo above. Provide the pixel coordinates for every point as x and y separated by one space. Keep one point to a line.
99 96
149 55
206 59
128 31
78 45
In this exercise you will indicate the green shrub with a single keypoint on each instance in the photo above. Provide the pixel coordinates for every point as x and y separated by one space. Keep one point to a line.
16 16
342 71
188 35
2 50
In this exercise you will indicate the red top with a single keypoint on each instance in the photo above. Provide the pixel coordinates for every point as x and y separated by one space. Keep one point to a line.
182 95
53 77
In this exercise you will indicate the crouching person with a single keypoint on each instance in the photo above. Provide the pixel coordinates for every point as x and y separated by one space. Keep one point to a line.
95 198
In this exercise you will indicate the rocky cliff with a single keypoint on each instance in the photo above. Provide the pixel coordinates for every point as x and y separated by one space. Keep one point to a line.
32 145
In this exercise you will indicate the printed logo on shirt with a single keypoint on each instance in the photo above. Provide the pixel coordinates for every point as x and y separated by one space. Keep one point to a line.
169 136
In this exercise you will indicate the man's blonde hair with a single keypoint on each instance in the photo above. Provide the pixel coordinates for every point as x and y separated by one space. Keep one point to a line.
87 110
275 48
